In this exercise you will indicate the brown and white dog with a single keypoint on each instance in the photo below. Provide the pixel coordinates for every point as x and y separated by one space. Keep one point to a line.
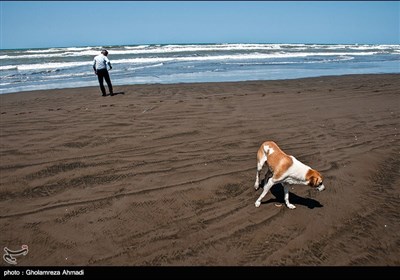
285 170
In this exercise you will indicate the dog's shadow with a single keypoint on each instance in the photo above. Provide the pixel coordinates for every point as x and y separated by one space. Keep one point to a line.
277 191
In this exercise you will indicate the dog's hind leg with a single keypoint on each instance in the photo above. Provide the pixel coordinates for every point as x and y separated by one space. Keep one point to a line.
268 174
267 186
286 195
260 163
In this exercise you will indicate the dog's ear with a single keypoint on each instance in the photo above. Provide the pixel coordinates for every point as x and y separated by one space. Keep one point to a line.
320 179
314 178
313 181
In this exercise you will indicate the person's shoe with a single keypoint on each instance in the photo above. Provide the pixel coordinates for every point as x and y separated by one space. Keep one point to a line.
103 95
111 94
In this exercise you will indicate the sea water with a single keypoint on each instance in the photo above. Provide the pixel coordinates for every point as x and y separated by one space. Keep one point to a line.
50 68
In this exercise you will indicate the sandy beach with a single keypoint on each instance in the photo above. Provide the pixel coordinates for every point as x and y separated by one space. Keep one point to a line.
163 175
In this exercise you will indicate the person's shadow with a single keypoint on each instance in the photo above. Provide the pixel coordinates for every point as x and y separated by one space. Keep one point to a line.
277 191
116 93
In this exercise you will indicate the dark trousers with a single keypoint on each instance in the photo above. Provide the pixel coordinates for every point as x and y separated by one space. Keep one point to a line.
101 75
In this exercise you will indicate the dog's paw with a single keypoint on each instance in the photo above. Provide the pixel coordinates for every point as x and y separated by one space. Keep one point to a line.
256 185
291 206
257 204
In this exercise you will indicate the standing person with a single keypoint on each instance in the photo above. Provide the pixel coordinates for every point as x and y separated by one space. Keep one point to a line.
100 63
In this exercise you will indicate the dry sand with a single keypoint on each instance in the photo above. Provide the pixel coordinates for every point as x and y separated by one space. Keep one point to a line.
163 175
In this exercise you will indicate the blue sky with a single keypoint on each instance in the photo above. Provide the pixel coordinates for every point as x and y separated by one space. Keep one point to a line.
36 24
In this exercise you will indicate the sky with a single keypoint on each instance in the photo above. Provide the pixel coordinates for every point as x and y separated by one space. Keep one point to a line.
37 24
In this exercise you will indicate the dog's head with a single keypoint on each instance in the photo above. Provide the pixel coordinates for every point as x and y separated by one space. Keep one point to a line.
315 179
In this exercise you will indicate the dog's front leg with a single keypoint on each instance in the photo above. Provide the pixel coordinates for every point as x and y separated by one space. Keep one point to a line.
286 191
267 186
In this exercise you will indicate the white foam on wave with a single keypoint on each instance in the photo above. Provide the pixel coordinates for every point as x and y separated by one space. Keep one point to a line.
52 55
58 49
145 66
53 65
70 75
8 67
44 50
136 47
253 56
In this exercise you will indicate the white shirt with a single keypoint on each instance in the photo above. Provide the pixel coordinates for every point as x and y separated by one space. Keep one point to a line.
100 62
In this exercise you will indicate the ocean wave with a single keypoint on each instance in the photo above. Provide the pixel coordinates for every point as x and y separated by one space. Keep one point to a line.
340 58
155 60
165 49
251 56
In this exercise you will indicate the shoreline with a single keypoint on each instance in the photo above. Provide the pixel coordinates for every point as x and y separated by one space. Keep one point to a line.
163 174
194 83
